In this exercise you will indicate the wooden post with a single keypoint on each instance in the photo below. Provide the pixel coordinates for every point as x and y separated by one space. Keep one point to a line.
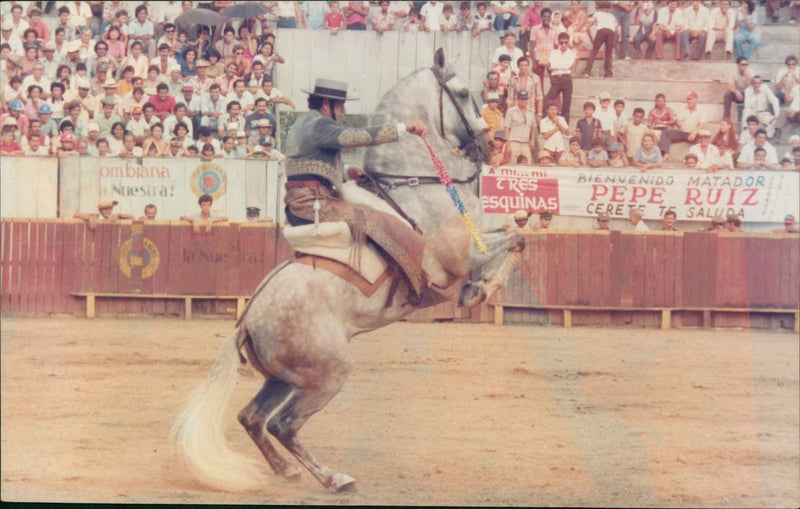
188 304
239 307
90 306
706 318
666 319
567 318
498 314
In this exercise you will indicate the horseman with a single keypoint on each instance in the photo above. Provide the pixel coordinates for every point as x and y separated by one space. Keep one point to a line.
315 175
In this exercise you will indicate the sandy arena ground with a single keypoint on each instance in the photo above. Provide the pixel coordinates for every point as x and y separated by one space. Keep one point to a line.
455 414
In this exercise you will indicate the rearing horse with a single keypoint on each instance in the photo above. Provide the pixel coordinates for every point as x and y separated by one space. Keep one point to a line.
297 326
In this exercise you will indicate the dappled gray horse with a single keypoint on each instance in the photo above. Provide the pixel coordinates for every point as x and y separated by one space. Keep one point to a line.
297 327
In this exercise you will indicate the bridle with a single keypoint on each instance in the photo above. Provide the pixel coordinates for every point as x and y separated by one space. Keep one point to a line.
384 182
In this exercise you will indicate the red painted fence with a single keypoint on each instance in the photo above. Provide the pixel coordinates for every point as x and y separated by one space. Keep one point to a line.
45 261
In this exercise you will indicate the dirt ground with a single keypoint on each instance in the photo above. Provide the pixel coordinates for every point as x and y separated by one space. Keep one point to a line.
453 414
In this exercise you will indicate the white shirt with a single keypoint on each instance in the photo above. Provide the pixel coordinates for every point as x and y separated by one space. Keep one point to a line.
561 63
433 15
607 119
747 155
641 226
701 20
758 101
718 19
515 55
672 25
707 159
605 20
504 5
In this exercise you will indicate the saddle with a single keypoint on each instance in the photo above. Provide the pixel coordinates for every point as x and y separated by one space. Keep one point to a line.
330 246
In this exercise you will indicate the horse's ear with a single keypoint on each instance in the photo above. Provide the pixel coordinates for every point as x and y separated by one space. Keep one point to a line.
438 58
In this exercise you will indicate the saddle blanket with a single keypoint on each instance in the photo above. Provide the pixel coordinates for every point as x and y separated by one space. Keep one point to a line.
333 240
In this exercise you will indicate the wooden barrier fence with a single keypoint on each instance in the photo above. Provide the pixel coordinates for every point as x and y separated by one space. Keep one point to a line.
566 277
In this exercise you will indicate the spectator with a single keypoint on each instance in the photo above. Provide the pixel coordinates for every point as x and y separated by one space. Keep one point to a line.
689 122
466 22
108 118
690 161
554 129
34 102
15 109
212 108
34 131
633 132
156 141
616 155
696 20
757 100
745 26
260 113
103 148
288 13
606 116
400 12
382 20
233 115
588 128
739 79
163 103
561 67
226 81
622 13
787 77
518 219
431 15
9 147
129 147
48 60
269 57
789 225
241 149
506 15
525 80
646 20
116 140
105 209
142 30
787 164
544 220
37 77
334 20
733 223
749 132
668 28
670 217
620 120
137 60
39 27
747 155
150 213
312 15
794 143
573 156
205 217
225 45
204 138
727 143
262 129
176 147
181 133
603 221
607 33
717 225
92 138
504 72
170 38
243 65
483 19
647 156
635 217
520 130
413 24
273 96
76 117
578 25
509 48
491 114
543 39
449 22
708 157
35 148
228 146
136 124
254 79
722 23
597 156
68 146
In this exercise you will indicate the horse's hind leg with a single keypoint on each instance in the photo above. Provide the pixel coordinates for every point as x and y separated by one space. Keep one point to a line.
254 416
302 404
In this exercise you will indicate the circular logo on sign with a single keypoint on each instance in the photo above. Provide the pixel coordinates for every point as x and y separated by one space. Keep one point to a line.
148 259
209 178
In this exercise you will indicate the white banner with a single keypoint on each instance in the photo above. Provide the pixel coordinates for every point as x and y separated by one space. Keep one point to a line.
172 185
755 196
29 187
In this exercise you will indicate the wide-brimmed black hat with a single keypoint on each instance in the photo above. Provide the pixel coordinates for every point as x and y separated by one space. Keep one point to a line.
330 89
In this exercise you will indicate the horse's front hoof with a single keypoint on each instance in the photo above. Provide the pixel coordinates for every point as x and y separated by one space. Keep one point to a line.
292 473
343 483
472 294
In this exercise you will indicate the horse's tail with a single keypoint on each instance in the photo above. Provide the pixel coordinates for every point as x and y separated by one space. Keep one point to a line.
200 429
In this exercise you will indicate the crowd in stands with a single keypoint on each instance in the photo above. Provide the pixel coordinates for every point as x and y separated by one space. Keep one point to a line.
121 78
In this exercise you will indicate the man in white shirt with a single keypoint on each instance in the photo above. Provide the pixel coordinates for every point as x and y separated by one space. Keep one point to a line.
722 20
757 98
690 121
708 157
747 155
696 20
562 65
668 27
431 16
7 36
635 217
509 48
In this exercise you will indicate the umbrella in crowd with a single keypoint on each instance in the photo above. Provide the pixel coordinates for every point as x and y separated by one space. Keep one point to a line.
246 10
192 18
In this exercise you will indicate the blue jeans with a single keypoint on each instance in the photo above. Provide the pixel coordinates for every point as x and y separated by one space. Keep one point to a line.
742 36
624 21
287 23
501 24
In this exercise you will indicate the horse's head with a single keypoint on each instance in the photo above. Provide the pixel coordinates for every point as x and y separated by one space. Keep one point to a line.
457 118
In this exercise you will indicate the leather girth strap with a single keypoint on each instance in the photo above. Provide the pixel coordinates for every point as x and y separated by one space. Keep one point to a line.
348 274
